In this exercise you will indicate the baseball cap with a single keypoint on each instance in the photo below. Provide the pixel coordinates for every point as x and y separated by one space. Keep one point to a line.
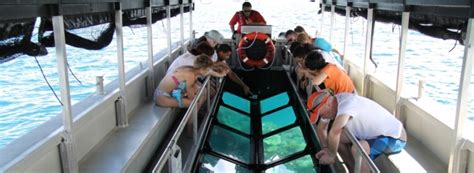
215 35
315 102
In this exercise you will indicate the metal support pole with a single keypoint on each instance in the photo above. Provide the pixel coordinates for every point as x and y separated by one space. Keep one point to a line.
333 20
195 122
122 120
175 164
401 62
322 20
368 42
455 161
357 162
208 94
68 160
346 30
191 32
168 31
151 72
181 23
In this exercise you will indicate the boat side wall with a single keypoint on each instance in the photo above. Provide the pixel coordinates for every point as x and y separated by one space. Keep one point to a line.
94 119
422 125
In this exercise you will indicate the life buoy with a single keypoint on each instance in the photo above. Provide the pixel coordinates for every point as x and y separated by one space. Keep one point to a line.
248 42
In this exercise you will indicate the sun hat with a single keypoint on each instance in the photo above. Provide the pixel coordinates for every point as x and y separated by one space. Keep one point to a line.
215 35
315 103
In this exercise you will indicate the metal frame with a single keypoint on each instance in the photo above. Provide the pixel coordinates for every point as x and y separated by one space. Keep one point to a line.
368 42
68 159
151 72
122 118
168 32
346 29
257 136
181 23
333 20
456 163
322 20
191 32
401 62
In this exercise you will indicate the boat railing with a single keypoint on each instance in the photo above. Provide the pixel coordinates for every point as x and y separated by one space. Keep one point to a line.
360 154
172 149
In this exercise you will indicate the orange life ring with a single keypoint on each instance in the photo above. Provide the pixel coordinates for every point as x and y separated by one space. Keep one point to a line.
256 62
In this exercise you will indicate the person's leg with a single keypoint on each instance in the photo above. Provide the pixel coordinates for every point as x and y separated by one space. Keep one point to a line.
344 151
166 101
366 147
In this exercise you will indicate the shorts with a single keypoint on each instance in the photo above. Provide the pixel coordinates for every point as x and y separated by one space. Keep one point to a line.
386 145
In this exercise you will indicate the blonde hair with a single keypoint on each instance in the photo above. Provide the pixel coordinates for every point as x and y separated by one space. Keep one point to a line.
303 38
202 61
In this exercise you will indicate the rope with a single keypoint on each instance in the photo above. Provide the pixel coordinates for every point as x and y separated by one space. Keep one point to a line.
75 77
372 44
255 38
44 76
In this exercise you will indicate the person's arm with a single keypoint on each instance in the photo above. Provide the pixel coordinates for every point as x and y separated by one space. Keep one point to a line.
322 131
191 86
233 21
217 74
260 19
328 154
232 76
318 78
218 69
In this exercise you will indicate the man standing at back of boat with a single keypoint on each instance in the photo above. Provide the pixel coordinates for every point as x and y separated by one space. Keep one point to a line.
246 17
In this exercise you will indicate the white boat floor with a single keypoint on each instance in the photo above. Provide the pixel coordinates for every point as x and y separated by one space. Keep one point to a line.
130 148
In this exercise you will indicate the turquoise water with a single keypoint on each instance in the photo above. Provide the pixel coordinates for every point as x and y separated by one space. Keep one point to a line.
268 104
228 117
26 101
278 119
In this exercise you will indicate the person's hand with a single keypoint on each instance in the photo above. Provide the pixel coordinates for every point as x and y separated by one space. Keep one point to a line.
325 156
234 35
247 91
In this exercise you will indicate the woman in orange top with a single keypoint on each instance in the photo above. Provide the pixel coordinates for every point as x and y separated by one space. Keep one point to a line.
333 78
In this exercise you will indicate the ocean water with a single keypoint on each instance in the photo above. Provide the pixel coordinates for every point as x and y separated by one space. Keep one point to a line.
26 101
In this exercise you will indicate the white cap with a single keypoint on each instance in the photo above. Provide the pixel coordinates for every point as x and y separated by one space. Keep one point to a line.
215 35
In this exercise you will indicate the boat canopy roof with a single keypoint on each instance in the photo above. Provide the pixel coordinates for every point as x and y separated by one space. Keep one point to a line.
18 18
24 9
444 19
447 8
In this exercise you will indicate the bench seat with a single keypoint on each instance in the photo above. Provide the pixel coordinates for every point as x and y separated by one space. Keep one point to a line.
129 149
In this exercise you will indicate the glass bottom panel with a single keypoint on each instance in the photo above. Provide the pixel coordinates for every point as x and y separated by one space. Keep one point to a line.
283 144
234 119
303 164
211 164
230 144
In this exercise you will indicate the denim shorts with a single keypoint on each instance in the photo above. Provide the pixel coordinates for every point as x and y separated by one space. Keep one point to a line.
386 145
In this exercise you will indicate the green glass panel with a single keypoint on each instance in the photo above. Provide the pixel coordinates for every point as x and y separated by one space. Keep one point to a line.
230 144
211 164
236 102
278 119
274 102
234 119
303 164
282 144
